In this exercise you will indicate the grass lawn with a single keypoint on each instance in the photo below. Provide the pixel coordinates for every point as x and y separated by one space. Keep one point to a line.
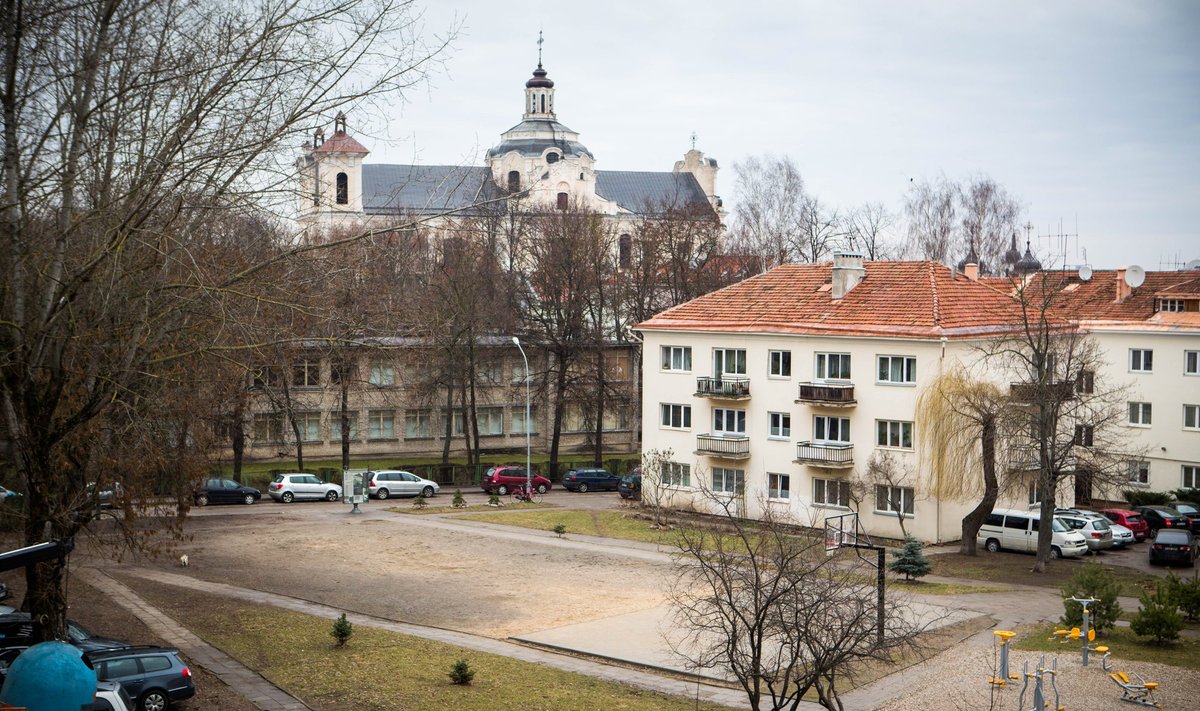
385 670
1015 568
607 524
508 506
1122 643
924 587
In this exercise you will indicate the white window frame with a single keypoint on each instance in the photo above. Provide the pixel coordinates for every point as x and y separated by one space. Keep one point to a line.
306 373
1141 414
667 419
821 493
381 424
518 419
779 364
490 421
423 421
779 425
1189 476
310 426
723 355
1138 472
893 430
1171 305
724 416
670 355
728 481
907 494
908 370
1192 411
779 486
382 374
823 362
823 422
1191 362
1141 360
677 475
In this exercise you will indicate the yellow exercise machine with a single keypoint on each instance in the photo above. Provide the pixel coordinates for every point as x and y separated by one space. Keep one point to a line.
1002 638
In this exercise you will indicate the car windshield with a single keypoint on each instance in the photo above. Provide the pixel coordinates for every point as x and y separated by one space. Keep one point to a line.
1185 508
1172 537
1058 526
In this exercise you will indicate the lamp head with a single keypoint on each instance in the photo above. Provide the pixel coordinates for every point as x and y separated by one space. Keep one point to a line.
516 341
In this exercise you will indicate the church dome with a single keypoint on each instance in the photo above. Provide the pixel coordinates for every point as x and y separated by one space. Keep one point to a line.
539 79
971 258
1028 263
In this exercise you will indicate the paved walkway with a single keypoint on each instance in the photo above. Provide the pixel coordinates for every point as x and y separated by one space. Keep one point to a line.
735 698
250 684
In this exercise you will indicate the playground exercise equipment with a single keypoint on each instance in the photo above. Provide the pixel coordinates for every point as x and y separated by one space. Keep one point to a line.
1086 635
1038 677
1001 638
1139 692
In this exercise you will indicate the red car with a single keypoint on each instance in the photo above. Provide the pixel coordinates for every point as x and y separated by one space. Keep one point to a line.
502 480
1131 520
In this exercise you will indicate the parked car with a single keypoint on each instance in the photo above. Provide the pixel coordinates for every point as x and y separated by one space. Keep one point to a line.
224 491
585 480
1159 517
1191 511
631 485
6 493
1174 546
110 493
1131 520
290 487
1017 530
1122 537
1094 527
393 482
501 480
16 629
155 676
111 696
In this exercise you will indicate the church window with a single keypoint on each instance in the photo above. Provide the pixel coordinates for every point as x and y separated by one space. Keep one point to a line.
551 157
625 258
562 201
514 181
543 103
343 189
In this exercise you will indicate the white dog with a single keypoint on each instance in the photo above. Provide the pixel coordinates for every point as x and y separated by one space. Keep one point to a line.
183 560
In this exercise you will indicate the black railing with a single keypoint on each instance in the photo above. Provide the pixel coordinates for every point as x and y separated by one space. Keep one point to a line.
725 387
832 393
827 453
716 445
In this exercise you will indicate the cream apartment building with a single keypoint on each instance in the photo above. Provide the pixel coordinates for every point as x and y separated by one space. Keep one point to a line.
785 385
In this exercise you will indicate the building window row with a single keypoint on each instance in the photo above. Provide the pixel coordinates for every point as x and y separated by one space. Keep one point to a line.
418 424
728 481
677 474
900 370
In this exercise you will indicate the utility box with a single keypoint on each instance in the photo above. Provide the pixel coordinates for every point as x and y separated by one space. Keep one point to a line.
354 486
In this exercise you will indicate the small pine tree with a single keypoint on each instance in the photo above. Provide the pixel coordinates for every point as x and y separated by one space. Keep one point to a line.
420 503
560 529
461 672
910 560
493 500
1092 580
342 629
458 502
1157 618
1188 598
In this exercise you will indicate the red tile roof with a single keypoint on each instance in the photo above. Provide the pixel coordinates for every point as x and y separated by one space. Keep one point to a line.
1096 298
911 299
341 142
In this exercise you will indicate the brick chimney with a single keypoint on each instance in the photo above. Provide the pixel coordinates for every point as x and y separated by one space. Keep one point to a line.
848 271
971 271
1123 290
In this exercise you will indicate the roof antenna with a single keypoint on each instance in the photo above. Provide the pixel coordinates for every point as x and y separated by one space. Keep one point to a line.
540 41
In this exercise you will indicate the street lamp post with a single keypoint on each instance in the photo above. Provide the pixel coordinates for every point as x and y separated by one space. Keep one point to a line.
528 473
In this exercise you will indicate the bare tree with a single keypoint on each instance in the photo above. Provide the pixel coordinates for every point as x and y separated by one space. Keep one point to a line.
769 216
989 216
821 230
885 470
948 220
762 601
932 212
868 230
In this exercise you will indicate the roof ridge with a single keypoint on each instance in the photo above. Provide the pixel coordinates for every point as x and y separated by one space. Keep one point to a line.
934 296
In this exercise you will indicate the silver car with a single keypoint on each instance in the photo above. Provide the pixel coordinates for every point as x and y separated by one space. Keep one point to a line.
393 482
1094 527
290 487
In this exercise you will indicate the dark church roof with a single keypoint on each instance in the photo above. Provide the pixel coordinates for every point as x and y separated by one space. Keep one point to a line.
432 189
535 146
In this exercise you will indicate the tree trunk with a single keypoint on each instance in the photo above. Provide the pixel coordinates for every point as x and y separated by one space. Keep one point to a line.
344 414
598 440
238 430
991 489
448 430
560 386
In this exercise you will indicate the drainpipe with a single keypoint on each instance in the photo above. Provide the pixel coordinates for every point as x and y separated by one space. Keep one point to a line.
938 509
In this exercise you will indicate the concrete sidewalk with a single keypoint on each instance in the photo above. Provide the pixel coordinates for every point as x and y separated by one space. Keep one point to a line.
250 684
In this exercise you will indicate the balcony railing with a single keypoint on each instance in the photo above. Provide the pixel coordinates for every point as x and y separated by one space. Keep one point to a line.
726 388
726 447
832 394
825 454
1057 391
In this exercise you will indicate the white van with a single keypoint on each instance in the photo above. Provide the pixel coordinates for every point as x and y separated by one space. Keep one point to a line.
1016 530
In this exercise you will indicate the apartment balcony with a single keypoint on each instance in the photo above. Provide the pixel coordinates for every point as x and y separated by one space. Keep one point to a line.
723 447
724 388
1057 391
832 455
827 394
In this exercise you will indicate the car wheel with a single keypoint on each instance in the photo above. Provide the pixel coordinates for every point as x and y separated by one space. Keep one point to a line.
1055 553
249 499
582 489
427 492
153 700
331 495
992 545
383 494
287 497
542 488
202 500
502 490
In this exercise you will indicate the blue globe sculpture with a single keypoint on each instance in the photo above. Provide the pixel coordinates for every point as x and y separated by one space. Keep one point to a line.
50 676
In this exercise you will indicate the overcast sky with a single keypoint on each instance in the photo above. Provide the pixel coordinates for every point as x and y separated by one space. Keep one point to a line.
1088 111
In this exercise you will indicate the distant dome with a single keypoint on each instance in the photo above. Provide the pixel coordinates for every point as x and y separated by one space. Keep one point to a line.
1028 263
1012 255
971 258
539 79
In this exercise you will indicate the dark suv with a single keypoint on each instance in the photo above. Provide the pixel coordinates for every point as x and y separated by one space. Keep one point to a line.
584 480
631 485
155 676
502 480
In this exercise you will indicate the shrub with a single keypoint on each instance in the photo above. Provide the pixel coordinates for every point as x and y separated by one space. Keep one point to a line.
1157 618
342 629
910 560
459 502
560 529
1185 594
420 502
461 672
1192 495
1092 580
493 500
1146 498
